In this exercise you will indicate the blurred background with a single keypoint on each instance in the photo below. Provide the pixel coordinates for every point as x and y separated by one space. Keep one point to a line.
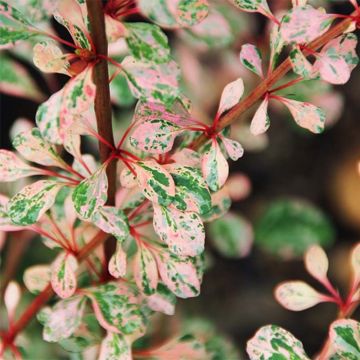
289 190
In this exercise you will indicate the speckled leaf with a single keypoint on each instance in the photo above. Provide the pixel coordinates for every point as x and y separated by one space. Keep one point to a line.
127 178
49 58
61 321
215 168
162 301
261 121
12 168
147 42
5 222
117 309
158 11
191 12
231 95
233 148
15 80
260 6
115 347
300 64
192 193
112 221
272 342
145 271
69 14
221 203
28 205
297 295
317 263
33 147
306 115
232 236
250 57
344 338
183 232
117 263
276 45
90 194
36 278
303 24
152 82
178 274
155 182
63 277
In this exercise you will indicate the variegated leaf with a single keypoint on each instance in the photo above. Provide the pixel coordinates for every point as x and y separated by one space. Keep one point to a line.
317 263
162 301
61 321
187 157
63 277
183 232
250 57
49 58
127 178
355 264
33 147
36 278
276 45
178 274
117 309
112 221
155 182
273 342
191 12
147 42
145 270
90 194
28 205
115 347
306 115
232 147
261 121
297 295
231 95
220 202
260 6
303 24
12 168
117 263
300 64
5 222
215 168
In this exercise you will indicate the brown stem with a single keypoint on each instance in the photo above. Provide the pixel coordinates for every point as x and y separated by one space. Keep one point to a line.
102 102
260 91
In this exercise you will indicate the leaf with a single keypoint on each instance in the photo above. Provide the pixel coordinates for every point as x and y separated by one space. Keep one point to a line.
288 227
232 236
147 42
31 145
276 45
15 80
145 271
272 342
28 205
317 263
191 12
178 274
12 168
162 301
90 194
306 115
297 295
231 95
12 297
221 203
250 57
63 319
120 91
116 308
344 338
112 221
192 193
183 232
152 82
355 264
155 182
36 278
261 121
5 222
233 148
117 263
303 24
115 347
214 166
260 6
301 64
49 58
63 277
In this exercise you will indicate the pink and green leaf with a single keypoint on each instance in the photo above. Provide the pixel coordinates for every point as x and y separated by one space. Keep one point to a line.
36 278
117 263
250 57
261 121
233 148
115 346
231 95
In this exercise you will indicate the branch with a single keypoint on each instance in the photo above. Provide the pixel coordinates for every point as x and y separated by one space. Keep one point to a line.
259 92
102 102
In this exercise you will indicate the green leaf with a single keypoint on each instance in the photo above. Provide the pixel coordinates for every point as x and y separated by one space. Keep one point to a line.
115 347
28 205
288 227
147 42
232 236
91 193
